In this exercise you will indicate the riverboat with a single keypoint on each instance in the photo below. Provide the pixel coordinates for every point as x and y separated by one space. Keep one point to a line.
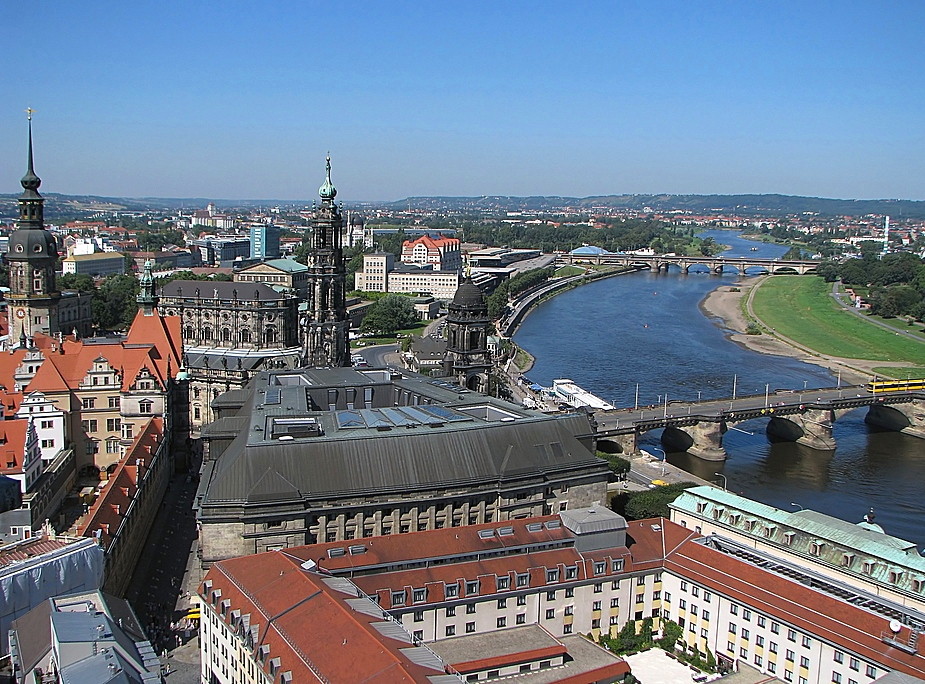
567 392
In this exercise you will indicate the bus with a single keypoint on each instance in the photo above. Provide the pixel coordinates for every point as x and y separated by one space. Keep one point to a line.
882 386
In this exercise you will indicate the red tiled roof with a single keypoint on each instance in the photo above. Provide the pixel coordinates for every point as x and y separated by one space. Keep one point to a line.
107 512
12 445
24 550
308 625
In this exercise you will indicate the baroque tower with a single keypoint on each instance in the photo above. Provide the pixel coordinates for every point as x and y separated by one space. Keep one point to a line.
33 257
326 334
468 360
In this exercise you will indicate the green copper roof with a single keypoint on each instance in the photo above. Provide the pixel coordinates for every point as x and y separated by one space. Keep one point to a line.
288 265
327 189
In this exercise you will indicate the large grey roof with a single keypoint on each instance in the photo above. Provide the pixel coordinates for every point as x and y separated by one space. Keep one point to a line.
454 438
220 290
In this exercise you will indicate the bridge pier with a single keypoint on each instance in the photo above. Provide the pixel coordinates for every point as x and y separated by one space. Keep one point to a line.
812 428
703 440
625 443
908 418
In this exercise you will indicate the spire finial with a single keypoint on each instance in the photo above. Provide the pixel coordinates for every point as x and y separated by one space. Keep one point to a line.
327 190
30 181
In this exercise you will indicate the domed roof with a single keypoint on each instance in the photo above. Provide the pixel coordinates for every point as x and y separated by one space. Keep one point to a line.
469 295
32 243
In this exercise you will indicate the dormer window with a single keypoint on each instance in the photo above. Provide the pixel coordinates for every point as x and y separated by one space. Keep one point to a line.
816 548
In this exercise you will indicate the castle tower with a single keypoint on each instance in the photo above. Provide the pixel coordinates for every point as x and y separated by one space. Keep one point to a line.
326 342
33 258
467 359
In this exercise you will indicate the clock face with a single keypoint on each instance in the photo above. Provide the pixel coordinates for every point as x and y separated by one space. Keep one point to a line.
20 313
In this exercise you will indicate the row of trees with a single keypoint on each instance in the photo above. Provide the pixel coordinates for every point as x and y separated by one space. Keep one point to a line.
515 286
894 283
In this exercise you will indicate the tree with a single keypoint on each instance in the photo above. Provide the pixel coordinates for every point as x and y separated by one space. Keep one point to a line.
671 632
114 302
650 503
392 312
77 281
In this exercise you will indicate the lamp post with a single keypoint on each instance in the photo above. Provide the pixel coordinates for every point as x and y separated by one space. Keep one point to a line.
735 380
766 388
636 405
724 480
665 414
664 458
799 507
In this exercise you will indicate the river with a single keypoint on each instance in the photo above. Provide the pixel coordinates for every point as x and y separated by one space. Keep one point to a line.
646 329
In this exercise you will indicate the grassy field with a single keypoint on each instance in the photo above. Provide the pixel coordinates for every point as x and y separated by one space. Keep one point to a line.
566 271
799 307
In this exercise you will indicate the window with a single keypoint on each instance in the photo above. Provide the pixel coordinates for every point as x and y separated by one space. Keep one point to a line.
759 641
667 597
596 606
470 609
791 635
706 615
599 587
772 667
854 664
88 402
743 653
707 596
695 591
758 660
46 424
144 406
113 425
523 580
641 581
804 661
616 565
871 671
571 573
761 621
734 609
569 610
419 595
775 628
470 628
682 604
472 588
502 603
731 647
550 613
48 443
521 618
550 596
418 635
788 676
114 402
450 630
615 602
732 628
772 646
790 655
501 622
521 600
746 614
552 575
452 590
504 583
836 677
807 642
693 610
567 629
839 657
451 611
569 593
419 616
745 634
600 568
89 425
398 598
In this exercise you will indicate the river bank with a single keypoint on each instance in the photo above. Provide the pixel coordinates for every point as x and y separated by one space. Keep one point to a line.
725 306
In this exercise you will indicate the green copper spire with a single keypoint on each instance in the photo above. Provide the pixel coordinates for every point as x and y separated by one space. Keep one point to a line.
30 182
327 190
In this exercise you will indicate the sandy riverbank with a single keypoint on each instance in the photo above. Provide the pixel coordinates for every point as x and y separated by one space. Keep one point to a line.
724 306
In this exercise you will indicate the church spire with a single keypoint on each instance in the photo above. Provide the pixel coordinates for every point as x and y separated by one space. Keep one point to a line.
30 182
147 299
327 189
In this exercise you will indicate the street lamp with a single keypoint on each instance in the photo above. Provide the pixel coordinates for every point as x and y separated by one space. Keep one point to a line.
724 480
636 406
766 387
664 458
735 380
665 415
799 507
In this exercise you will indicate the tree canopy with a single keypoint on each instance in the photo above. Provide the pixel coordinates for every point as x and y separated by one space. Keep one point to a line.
389 314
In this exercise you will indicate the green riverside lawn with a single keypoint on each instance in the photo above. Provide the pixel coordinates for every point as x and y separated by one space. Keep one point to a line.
800 307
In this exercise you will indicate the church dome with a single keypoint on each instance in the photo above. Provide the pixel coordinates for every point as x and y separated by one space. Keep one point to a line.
468 295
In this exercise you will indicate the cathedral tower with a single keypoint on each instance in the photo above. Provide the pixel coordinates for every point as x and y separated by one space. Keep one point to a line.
326 339
33 257
467 359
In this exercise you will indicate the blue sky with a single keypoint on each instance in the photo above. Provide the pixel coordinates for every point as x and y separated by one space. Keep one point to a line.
243 99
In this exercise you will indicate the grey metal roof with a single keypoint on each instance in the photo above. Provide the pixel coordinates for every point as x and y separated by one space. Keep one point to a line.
220 290
593 519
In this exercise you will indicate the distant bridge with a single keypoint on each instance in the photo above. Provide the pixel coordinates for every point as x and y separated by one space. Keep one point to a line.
804 417
716 264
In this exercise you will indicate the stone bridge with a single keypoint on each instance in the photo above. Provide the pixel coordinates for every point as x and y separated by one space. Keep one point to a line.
714 264
805 418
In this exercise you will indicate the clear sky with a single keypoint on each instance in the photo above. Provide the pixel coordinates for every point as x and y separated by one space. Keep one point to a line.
242 99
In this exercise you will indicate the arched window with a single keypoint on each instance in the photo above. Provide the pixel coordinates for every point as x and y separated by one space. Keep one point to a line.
269 335
207 334
245 336
190 333
226 334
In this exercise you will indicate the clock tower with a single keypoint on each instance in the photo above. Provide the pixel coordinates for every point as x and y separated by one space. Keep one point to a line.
33 257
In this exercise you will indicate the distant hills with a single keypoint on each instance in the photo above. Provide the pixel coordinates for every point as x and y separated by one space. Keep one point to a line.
750 205
80 206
